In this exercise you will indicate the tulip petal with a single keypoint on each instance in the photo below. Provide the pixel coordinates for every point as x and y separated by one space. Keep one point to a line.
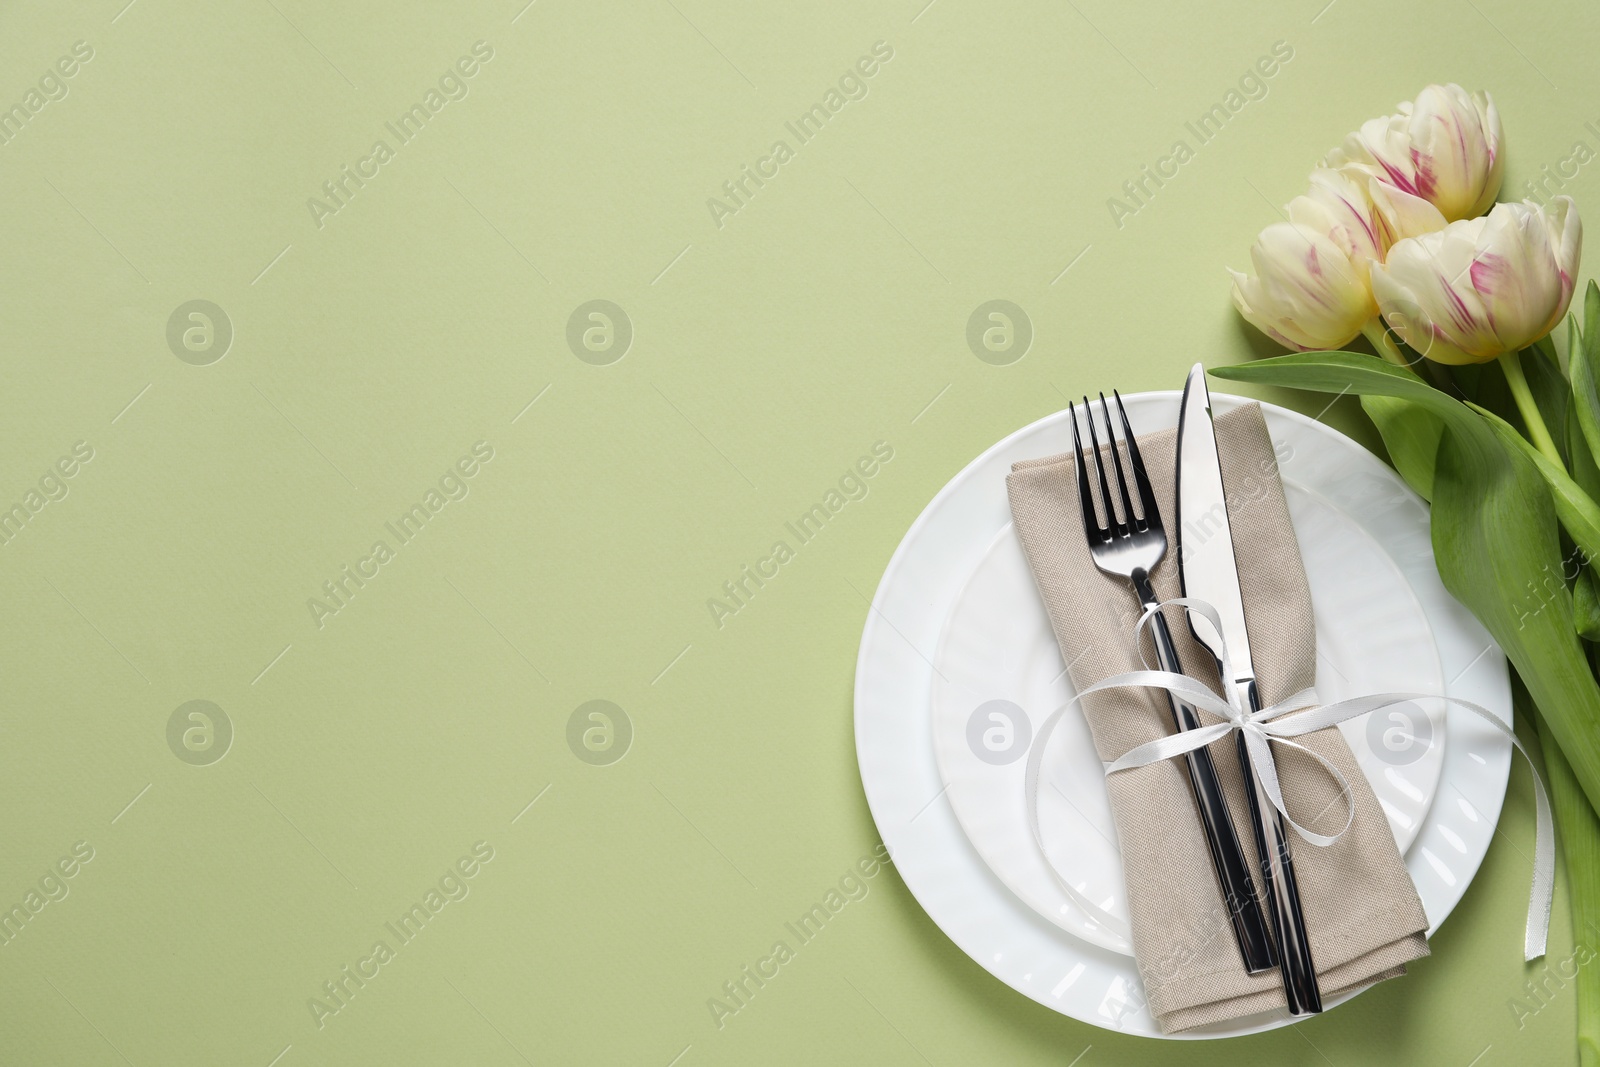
1402 214
1569 244
1515 276
1338 205
1489 120
1306 292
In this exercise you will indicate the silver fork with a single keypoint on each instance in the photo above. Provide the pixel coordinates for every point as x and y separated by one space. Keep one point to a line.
1130 548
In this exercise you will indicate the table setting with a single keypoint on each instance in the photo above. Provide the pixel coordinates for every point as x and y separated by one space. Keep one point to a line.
902 533
1218 719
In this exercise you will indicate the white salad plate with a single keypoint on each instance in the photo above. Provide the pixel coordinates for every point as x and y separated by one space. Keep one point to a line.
956 625
1372 637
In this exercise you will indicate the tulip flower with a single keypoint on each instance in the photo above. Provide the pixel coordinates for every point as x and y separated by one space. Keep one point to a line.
1486 288
1482 287
1307 293
1312 287
1445 147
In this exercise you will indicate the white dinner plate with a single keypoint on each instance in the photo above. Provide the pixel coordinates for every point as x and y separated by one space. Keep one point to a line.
894 723
998 675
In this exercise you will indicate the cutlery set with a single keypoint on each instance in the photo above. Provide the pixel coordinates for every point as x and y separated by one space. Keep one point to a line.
1129 542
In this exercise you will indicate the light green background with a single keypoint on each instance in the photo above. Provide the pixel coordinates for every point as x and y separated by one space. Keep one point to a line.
768 355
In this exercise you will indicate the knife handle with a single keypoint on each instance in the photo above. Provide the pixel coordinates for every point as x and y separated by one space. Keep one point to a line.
1283 891
1227 855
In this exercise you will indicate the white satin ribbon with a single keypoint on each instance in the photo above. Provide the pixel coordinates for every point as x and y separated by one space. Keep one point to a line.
1294 717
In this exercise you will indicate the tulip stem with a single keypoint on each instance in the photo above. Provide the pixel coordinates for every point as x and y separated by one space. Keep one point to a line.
1511 363
1375 332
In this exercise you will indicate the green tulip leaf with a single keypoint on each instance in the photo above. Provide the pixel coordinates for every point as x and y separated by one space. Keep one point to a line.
1411 434
1581 362
1579 829
1586 605
1546 347
1579 514
1591 320
1468 379
1495 540
1579 456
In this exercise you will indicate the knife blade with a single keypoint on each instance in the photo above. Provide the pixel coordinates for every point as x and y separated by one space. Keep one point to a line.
1209 571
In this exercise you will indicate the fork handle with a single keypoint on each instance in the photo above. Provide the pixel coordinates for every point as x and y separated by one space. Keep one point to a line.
1233 870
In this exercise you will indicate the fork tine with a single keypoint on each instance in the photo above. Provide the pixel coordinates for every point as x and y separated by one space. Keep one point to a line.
1112 525
1091 524
1147 495
1116 462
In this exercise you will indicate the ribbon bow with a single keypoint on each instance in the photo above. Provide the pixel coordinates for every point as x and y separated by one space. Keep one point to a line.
1295 717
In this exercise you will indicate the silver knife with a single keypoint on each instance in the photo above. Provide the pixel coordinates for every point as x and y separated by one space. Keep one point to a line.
1211 573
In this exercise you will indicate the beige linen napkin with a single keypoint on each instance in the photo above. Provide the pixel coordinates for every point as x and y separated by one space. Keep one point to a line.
1362 912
